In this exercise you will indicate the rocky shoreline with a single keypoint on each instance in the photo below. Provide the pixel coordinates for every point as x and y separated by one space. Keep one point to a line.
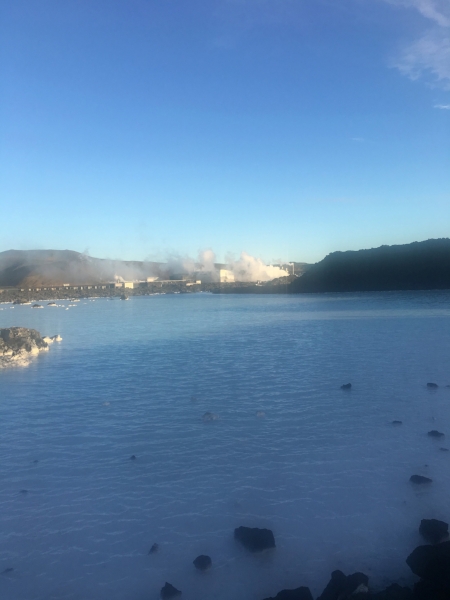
19 345
430 562
17 296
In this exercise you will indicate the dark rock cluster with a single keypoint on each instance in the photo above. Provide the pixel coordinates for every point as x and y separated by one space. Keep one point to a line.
19 344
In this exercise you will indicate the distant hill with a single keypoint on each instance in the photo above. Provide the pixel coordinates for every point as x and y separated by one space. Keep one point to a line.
34 268
416 266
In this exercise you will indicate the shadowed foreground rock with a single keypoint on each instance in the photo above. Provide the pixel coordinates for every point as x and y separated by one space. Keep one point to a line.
18 345
432 563
301 593
255 539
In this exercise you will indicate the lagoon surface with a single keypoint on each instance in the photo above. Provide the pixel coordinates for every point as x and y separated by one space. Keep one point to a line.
325 469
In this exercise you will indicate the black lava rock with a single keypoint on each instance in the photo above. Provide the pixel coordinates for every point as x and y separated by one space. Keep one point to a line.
394 592
255 539
436 434
432 385
433 530
335 586
301 593
432 563
342 586
346 386
427 590
203 562
168 591
420 479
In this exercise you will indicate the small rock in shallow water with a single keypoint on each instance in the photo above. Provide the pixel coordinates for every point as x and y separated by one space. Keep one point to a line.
203 562
420 479
169 591
432 385
154 549
255 539
132 457
444 449
209 416
23 492
346 386
396 423
436 434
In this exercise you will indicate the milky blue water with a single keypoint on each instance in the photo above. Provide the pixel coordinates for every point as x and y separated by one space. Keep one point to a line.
324 469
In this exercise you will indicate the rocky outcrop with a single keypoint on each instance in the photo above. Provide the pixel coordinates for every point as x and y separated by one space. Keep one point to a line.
343 586
432 564
19 345
433 530
255 539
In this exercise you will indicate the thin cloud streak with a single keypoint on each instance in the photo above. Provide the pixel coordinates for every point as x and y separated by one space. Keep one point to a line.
442 106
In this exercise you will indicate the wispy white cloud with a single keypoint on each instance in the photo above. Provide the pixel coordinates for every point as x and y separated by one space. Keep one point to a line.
442 106
429 56
435 10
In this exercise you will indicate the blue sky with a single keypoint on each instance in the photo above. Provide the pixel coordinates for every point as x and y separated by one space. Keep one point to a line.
285 128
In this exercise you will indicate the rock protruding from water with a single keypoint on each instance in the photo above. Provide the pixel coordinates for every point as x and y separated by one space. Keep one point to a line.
18 345
169 591
255 539
343 586
346 386
203 562
433 530
154 549
301 593
396 423
432 563
436 434
420 479
432 385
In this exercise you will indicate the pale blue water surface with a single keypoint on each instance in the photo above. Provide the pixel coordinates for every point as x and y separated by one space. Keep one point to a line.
324 469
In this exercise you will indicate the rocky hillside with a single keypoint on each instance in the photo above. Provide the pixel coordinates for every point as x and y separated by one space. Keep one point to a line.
35 268
416 266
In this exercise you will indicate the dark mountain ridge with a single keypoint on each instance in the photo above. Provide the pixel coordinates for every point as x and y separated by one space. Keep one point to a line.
416 266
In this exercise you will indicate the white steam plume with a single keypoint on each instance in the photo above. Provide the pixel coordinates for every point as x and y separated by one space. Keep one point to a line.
250 268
